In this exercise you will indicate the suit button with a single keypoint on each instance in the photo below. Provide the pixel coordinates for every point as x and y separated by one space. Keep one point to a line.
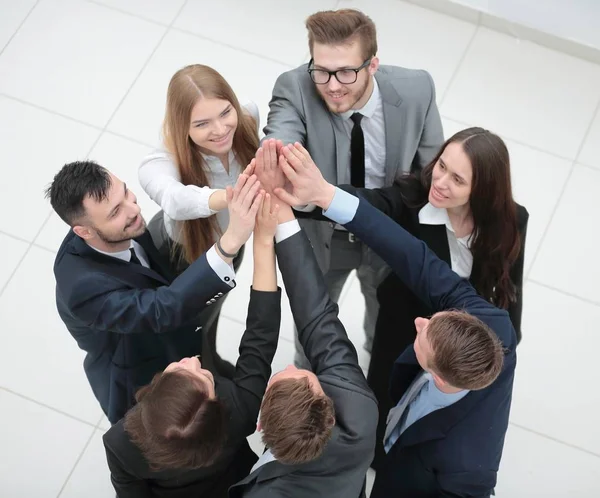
219 294
208 302
227 279
213 300
198 328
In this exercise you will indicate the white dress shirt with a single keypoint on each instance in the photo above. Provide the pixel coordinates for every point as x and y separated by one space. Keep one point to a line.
125 255
373 126
461 256
159 177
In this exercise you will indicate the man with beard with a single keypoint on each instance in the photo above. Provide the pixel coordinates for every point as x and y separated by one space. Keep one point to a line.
363 124
114 291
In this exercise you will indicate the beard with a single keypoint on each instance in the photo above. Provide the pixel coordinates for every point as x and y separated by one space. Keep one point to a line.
121 236
352 98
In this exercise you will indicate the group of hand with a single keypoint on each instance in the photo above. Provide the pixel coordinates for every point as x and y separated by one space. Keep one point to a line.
279 176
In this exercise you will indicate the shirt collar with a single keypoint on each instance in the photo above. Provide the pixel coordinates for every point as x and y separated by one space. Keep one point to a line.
124 255
214 159
369 108
431 215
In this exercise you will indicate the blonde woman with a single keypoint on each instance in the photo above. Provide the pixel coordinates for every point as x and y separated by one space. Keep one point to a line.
208 141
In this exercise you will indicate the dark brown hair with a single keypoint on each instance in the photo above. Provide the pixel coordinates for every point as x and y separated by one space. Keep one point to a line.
495 241
340 27
296 422
175 424
466 352
186 87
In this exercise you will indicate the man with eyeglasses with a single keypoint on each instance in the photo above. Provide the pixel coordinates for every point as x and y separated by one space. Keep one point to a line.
363 124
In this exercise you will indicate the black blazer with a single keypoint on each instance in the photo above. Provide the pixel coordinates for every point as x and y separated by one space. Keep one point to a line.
454 451
390 201
131 321
130 473
341 469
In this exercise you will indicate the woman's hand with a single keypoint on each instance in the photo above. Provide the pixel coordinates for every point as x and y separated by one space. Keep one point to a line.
266 221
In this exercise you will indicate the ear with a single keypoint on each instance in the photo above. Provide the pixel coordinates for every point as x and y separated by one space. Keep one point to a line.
86 233
438 380
374 66
258 426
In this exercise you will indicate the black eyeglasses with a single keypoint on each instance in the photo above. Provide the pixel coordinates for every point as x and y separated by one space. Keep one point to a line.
344 76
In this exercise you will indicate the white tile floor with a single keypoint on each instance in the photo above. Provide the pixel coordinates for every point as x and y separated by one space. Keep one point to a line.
88 78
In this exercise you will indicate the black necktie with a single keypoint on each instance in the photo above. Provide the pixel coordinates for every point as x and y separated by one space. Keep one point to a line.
357 152
134 258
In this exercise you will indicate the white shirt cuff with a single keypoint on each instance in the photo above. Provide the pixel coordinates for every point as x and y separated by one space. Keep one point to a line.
223 270
286 230
343 207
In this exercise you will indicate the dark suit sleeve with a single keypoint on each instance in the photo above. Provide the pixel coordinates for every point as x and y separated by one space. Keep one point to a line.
125 484
466 484
286 118
257 349
432 136
428 277
515 310
320 332
127 310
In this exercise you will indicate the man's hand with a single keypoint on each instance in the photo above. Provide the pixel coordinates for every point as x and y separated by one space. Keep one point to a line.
266 221
243 202
265 165
308 184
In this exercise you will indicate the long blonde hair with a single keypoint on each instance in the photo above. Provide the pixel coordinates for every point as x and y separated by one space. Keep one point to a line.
186 87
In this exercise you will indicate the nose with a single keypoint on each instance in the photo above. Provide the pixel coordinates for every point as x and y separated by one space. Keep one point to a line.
220 129
333 84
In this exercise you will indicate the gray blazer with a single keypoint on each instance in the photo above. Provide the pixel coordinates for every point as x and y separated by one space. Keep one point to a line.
341 469
413 131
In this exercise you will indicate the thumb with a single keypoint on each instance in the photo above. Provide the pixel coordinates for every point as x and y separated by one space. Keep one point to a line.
286 197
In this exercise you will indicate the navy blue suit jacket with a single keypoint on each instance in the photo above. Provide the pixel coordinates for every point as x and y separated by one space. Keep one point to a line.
131 321
454 451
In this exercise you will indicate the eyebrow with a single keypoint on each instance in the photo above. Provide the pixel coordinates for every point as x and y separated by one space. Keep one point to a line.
317 66
454 173
196 121
112 211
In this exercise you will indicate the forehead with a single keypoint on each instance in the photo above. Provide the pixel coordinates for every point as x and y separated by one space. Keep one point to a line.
115 195
208 108
456 159
337 56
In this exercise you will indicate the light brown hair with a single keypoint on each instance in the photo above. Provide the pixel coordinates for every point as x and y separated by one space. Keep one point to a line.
175 424
467 354
341 27
186 87
296 422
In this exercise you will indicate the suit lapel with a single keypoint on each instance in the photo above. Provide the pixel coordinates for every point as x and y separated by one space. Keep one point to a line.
268 471
436 238
157 262
395 125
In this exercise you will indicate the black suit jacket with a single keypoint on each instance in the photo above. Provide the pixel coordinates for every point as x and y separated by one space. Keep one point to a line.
341 469
131 321
454 451
130 473
390 201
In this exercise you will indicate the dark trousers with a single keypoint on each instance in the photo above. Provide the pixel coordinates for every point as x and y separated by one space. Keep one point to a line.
209 318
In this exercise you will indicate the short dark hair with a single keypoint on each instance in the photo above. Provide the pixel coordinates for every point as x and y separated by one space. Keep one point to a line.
175 423
72 184
296 421
339 27
466 352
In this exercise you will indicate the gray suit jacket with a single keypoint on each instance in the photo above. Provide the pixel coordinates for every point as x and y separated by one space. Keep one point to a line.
341 469
413 131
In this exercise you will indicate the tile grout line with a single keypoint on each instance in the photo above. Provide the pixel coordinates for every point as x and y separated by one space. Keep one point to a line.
56 410
551 438
70 474
131 14
15 237
563 292
458 66
563 190
19 27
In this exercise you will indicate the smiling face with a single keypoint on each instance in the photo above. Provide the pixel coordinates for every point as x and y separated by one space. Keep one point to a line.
451 178
111 223
193 367
213 123
337 96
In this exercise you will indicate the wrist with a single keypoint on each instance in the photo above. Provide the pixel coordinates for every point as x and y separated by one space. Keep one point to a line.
260 240
230 243
326 194
285 214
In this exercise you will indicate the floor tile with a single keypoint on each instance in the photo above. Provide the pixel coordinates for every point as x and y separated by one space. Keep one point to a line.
91 477
590 153
401 25
545 368
122 157
13 14
40 338
87 79
155 10
39 448
142 112
12 252
230 22
520 90
34 167
534 466
568 259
